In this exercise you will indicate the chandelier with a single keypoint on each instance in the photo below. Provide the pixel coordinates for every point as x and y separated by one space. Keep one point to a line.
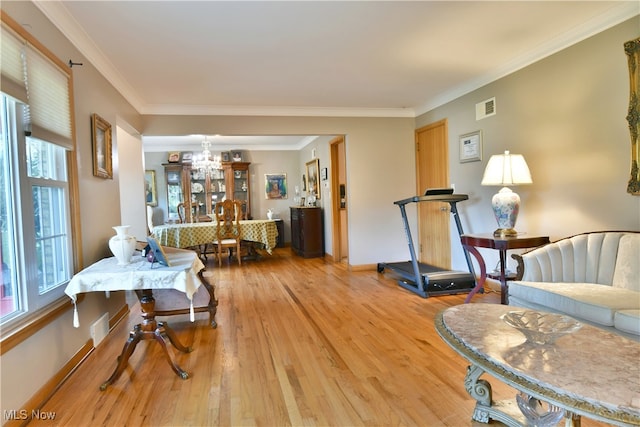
205 162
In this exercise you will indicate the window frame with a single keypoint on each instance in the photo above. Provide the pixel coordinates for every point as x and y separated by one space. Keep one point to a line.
35 316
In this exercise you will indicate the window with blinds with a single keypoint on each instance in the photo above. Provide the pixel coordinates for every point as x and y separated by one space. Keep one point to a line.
37 150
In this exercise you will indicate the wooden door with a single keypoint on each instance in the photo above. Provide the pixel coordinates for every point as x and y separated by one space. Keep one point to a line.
434 219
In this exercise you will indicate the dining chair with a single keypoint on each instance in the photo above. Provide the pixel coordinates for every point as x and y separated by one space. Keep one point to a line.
171 302
228 213
194 214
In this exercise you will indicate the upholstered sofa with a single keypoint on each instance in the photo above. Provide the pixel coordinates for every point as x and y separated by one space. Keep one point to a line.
592 277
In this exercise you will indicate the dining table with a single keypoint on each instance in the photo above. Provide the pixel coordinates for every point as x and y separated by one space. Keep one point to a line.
187 235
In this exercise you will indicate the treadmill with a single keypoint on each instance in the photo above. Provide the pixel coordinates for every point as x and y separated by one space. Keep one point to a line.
424 279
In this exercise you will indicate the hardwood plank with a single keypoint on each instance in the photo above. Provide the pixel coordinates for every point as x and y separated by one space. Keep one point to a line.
300 342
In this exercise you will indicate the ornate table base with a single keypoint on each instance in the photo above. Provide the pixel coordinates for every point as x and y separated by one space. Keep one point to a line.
147 330
505 411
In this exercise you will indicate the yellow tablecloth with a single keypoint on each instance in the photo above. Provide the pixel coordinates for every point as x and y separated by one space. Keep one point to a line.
194 234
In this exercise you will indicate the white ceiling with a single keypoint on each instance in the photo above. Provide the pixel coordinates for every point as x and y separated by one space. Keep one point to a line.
318 58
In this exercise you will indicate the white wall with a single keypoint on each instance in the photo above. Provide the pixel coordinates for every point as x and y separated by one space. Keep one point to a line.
130 162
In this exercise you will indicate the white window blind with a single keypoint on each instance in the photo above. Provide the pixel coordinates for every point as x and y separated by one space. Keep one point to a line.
47 87
12 65
49 100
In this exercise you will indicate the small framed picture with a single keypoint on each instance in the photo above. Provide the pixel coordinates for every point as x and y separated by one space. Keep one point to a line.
275 185
236 156
324 174
225 156
471 147
187 157
174 157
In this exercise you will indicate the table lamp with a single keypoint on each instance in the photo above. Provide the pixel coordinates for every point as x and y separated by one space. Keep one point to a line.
506 169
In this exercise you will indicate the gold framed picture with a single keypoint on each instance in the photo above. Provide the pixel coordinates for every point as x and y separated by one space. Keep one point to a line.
150 187
313 174
101 139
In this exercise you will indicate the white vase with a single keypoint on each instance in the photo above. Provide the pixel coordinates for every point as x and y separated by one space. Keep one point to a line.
122 245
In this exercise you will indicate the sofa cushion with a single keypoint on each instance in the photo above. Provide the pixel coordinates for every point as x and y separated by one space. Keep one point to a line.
628 321
588 301
627 271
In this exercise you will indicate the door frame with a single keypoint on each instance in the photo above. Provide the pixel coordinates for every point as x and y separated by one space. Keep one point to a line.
338 168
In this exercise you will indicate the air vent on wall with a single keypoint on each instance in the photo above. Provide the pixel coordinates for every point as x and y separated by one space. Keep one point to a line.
486 108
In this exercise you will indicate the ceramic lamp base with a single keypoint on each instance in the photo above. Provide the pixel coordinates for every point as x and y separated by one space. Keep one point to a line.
506 206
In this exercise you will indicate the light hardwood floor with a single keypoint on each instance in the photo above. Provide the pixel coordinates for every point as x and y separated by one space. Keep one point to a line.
300 342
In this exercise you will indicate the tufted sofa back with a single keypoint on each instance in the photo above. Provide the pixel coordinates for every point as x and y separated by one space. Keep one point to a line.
607 258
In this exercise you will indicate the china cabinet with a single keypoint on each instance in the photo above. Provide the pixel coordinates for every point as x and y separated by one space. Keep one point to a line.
185 183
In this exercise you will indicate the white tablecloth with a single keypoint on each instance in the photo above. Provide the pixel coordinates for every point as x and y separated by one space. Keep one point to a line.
107 275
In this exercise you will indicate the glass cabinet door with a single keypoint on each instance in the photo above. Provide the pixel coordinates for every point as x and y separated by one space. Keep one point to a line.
239 185
217 188
175 193
198 187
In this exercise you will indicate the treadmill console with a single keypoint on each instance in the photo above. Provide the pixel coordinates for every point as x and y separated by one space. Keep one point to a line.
438 191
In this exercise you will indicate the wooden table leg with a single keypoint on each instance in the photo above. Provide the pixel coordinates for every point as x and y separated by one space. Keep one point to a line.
149 329
483 272
504 291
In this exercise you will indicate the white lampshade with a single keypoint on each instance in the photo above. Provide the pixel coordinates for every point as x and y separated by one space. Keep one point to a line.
506 169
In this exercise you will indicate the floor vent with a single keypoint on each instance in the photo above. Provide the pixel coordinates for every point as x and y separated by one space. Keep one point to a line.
486 108
100 329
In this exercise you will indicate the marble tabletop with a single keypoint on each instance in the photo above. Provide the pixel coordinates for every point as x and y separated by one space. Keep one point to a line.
591 368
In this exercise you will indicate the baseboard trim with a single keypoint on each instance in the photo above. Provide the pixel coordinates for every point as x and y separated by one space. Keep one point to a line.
45 392
41 397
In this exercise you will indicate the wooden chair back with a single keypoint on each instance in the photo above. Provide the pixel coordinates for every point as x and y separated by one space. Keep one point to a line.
193 215
228 235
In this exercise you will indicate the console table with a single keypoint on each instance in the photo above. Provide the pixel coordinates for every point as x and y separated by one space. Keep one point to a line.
472 241
591 372
141 275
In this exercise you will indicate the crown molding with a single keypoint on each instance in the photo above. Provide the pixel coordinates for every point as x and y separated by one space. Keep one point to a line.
222 110
58 14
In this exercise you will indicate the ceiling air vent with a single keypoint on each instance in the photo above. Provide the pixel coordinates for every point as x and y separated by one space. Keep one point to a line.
486 108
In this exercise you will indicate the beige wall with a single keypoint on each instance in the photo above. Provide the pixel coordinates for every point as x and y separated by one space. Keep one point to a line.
25 368
566 115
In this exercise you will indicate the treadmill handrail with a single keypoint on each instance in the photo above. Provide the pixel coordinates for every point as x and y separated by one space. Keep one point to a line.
437 198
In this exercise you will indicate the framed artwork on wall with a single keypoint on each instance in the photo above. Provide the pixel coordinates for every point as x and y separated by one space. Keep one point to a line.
275 185
313 175
101 139
471 147
150 187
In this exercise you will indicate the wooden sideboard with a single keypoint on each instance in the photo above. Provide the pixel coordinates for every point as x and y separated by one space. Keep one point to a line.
307 232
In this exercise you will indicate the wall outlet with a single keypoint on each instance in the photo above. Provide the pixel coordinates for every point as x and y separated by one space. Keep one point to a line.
100 329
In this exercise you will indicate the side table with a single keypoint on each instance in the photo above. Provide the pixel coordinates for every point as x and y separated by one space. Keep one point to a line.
473 241
140 275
